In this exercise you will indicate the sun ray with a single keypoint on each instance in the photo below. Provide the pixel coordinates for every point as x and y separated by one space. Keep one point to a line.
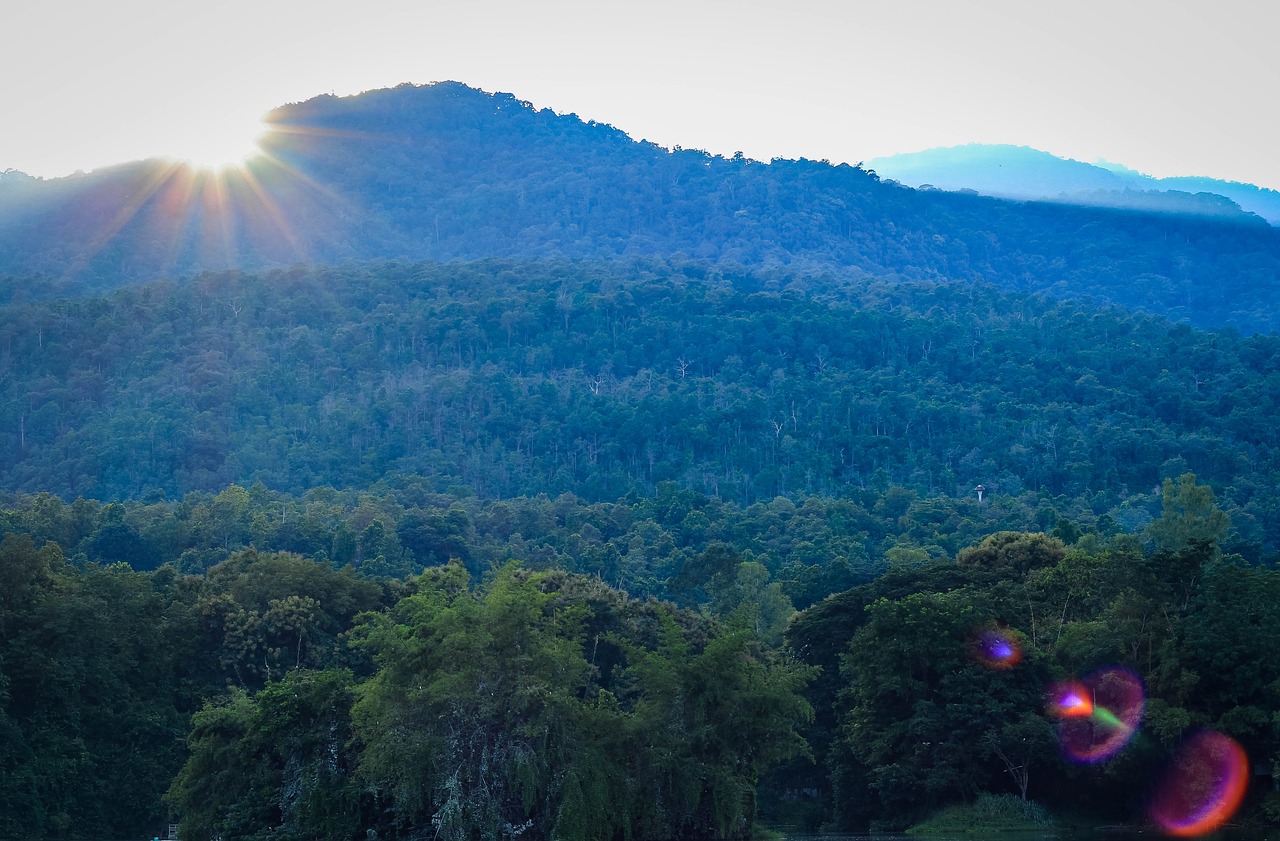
273 212
195 216
302 178
217 219
171 214
126 212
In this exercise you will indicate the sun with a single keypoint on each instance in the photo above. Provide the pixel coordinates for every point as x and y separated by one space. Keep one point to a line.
220 145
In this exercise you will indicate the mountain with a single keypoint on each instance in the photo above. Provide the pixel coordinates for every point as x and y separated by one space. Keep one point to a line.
1019 172
996 170
445 172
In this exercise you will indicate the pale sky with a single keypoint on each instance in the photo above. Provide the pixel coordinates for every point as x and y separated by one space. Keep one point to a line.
1167 87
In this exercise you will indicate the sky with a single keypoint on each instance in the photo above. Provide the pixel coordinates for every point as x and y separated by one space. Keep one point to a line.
1167 88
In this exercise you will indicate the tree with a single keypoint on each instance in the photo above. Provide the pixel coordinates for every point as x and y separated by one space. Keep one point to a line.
470 723
278 764
487 718
1188 512
1020 744
1014 552
918 705
750 601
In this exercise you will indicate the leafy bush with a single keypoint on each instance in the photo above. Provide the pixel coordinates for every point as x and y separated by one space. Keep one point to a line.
989 813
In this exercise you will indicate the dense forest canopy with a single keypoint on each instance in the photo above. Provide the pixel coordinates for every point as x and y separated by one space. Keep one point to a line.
447 172
516 378
659 727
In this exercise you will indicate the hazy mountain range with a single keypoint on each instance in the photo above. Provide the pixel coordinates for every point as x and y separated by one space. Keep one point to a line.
1019 172
446 172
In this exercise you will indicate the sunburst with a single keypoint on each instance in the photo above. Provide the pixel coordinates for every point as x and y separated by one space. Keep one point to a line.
227 144
231 190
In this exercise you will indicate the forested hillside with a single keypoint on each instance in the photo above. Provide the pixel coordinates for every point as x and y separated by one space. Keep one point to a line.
447 172
507 379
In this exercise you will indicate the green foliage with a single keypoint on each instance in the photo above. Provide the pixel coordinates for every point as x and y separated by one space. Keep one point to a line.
917 704
750 602
546 702
458 721
279 612
276 765
914 724
810 549
101 668
987 814
90 729
1013 554
487 718
1187 513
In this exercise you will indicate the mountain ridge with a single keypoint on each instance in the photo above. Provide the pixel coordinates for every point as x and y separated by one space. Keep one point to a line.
448 172
1027 174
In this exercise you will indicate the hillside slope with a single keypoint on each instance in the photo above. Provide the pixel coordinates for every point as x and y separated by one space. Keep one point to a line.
447 172
508 378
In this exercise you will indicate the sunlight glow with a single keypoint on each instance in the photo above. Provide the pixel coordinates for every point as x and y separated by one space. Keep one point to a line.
225 193
218 146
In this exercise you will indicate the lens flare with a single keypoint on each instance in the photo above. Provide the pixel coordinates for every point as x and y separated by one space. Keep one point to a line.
1204 787
1099 714
1070 700
995 648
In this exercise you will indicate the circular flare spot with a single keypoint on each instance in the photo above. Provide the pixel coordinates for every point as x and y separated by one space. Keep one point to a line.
995 648
1203 788
1071 700
1099 714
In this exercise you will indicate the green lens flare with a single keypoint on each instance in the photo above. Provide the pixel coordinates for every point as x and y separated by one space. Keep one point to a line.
1108 718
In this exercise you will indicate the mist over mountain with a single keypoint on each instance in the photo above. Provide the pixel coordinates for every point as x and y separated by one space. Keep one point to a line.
447 172
1019 172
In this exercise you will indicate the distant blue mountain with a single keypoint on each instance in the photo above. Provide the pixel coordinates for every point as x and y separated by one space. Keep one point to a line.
1019 172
